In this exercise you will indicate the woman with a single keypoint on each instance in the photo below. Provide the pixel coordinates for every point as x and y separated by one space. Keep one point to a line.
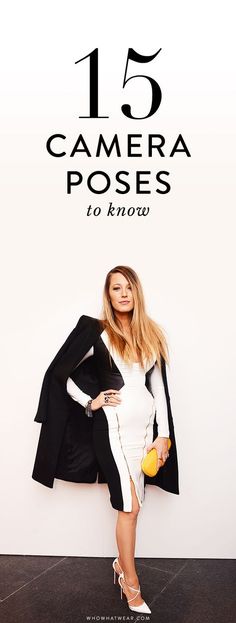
127 358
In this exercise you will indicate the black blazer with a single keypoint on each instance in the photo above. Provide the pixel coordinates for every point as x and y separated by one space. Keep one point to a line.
65 447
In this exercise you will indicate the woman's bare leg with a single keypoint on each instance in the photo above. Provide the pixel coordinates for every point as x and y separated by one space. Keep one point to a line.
126 537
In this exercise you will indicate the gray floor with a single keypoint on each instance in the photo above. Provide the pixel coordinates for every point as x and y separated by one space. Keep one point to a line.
50 589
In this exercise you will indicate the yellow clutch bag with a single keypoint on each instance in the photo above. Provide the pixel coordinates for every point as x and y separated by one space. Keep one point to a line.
149 464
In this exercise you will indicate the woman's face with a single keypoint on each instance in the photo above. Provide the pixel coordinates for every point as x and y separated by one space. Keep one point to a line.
120 293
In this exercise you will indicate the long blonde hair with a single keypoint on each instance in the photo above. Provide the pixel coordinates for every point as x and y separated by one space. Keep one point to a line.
147 337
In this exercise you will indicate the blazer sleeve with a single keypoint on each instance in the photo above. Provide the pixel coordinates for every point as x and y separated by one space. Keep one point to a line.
158 391
74 390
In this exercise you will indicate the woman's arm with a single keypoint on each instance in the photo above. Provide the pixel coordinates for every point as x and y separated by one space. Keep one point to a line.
74 390
158 390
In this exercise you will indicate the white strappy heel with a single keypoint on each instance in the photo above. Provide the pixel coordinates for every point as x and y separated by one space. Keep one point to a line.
116 561
143 607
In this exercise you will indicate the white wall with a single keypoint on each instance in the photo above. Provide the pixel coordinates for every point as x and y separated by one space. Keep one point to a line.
183 253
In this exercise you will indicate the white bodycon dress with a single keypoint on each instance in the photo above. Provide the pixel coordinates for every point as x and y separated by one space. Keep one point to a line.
123 432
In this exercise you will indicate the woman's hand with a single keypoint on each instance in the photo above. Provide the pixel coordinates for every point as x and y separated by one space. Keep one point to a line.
161 445
110 398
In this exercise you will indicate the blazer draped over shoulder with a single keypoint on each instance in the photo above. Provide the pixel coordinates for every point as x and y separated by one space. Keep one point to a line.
65 446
